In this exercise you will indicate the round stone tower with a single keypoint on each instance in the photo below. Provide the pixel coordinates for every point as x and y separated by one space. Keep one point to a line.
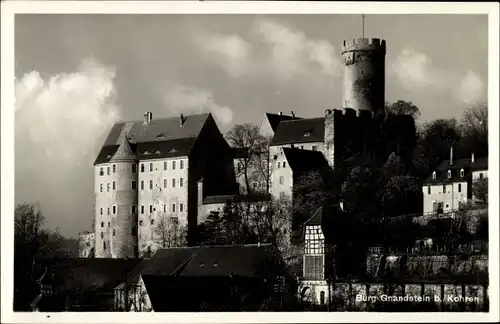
364 74
123 231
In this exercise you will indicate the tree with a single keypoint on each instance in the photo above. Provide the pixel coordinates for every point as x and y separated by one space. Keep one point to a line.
480 191
311 191
167 234
434 140
474 127
254 164
402 107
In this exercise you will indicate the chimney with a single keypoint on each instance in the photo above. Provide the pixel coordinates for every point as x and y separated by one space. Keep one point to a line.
293 114
341 204
281 113
182 120
472 158
146 118
451 155
150 117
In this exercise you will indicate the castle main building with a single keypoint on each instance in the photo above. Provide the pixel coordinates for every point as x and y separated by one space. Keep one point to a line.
148 172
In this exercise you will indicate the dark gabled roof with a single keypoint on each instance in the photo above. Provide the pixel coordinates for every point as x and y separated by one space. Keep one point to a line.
276 119
222 199
316 218
305 160
151 150
299 131
202 261
81 275
458 164
162 129
161 138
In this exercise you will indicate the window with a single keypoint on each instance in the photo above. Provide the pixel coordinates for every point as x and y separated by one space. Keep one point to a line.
114 210
434 175
101 172
109 224
173 183
102 235
459 187
174 220
481 175
101 187
173 208
104 245
307 134
164 183
302 147
134 211
449 174
142 209
462 173
134 185
109 210
181 207
102 212
108 171
107 186
314 148
142 184
279 164
102 224
114 168
140 223
114 185
150 208
150 167
281 180
284 164
444 188
164 208
181 182
255 185
151 184
114 232
182 164
134 168
428 190
142 167
152 221
173 165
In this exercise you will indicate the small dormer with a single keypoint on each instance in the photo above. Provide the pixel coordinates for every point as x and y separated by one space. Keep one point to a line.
434 175
449 174
462 173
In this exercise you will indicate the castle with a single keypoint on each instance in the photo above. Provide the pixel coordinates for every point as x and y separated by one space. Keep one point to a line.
156 169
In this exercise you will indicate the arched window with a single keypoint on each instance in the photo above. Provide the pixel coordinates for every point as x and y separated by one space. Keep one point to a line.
322 298
434 175
461 173
449 174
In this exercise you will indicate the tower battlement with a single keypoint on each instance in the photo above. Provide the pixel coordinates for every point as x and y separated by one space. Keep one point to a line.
364 44
349 112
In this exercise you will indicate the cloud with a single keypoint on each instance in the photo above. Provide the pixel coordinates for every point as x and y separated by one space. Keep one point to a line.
185 99
230 52
471 89
283 51
415 71
59 123
291 52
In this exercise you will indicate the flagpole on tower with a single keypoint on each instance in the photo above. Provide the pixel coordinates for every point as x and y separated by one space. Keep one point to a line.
363 22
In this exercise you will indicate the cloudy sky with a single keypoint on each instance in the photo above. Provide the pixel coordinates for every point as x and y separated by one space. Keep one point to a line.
76 75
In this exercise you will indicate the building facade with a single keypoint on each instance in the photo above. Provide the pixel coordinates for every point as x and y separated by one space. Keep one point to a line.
450 185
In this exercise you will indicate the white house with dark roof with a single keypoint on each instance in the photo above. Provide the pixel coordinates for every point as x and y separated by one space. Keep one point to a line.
450 183
147 171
